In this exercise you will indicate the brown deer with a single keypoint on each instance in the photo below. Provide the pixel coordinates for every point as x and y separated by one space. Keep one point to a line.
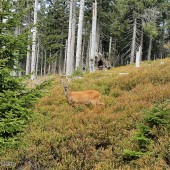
82 97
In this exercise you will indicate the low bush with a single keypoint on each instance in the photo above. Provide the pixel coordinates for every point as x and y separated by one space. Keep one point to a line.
149 131
119 135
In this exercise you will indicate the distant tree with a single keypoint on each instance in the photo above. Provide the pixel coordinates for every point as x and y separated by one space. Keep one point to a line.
93 39
71 39
79 35
34 38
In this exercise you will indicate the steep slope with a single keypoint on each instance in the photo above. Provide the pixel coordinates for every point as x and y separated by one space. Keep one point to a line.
63 137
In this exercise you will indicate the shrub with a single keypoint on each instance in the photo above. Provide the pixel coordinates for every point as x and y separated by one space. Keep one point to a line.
15 109
77 72
159 117
129 155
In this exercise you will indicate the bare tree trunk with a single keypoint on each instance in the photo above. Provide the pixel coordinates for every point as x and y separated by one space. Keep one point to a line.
49 65
132 55
65 57
97 50
110 49
16 72
45 62
79 36
82 55
42 57
61 58
162 41
138 53
71 38
114 59
37 60
34 41
60 63
54 67
149 49
93 42
141 45
88 53
28 62
49 68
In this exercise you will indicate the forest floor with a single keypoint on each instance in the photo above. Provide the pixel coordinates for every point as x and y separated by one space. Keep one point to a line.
64 137
38 81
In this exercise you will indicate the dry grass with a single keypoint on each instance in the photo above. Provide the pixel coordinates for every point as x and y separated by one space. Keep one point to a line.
63 137
39 80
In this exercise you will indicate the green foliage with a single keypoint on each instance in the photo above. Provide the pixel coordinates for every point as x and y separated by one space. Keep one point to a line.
158 116
8 82
129 155
77 72
15 112
142 142
151 29
155 119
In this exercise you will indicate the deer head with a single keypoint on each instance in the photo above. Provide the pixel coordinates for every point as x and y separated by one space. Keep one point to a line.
82 97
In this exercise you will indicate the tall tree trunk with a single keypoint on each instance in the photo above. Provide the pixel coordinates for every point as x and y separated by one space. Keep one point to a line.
82 55
93 42
28 61
150 48
65 57
60 63
79 36
42 57
162 41
115 58
61 58
141 45
34 42
45 62
88 53
138 53
132 55
54 67
37 59
71 39
110 48
49 68
97 49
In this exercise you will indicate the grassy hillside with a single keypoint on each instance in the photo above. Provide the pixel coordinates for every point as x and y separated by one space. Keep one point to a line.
120 135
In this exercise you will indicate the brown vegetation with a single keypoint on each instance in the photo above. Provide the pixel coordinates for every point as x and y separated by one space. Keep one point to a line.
65 138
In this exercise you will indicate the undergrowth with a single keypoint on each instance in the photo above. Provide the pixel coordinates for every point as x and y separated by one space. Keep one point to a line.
16 111
120 135
154 124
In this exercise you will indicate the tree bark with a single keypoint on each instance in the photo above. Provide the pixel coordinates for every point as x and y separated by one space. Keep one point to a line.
149 49
34 41
65 57
79 36
37 57
93 42
141 45
71 39
110 49
132 55
28 61
45 62
42 57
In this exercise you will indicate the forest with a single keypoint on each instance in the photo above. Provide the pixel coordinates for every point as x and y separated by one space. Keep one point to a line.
118 50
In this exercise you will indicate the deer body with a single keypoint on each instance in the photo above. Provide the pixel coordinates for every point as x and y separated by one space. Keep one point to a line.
82 97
